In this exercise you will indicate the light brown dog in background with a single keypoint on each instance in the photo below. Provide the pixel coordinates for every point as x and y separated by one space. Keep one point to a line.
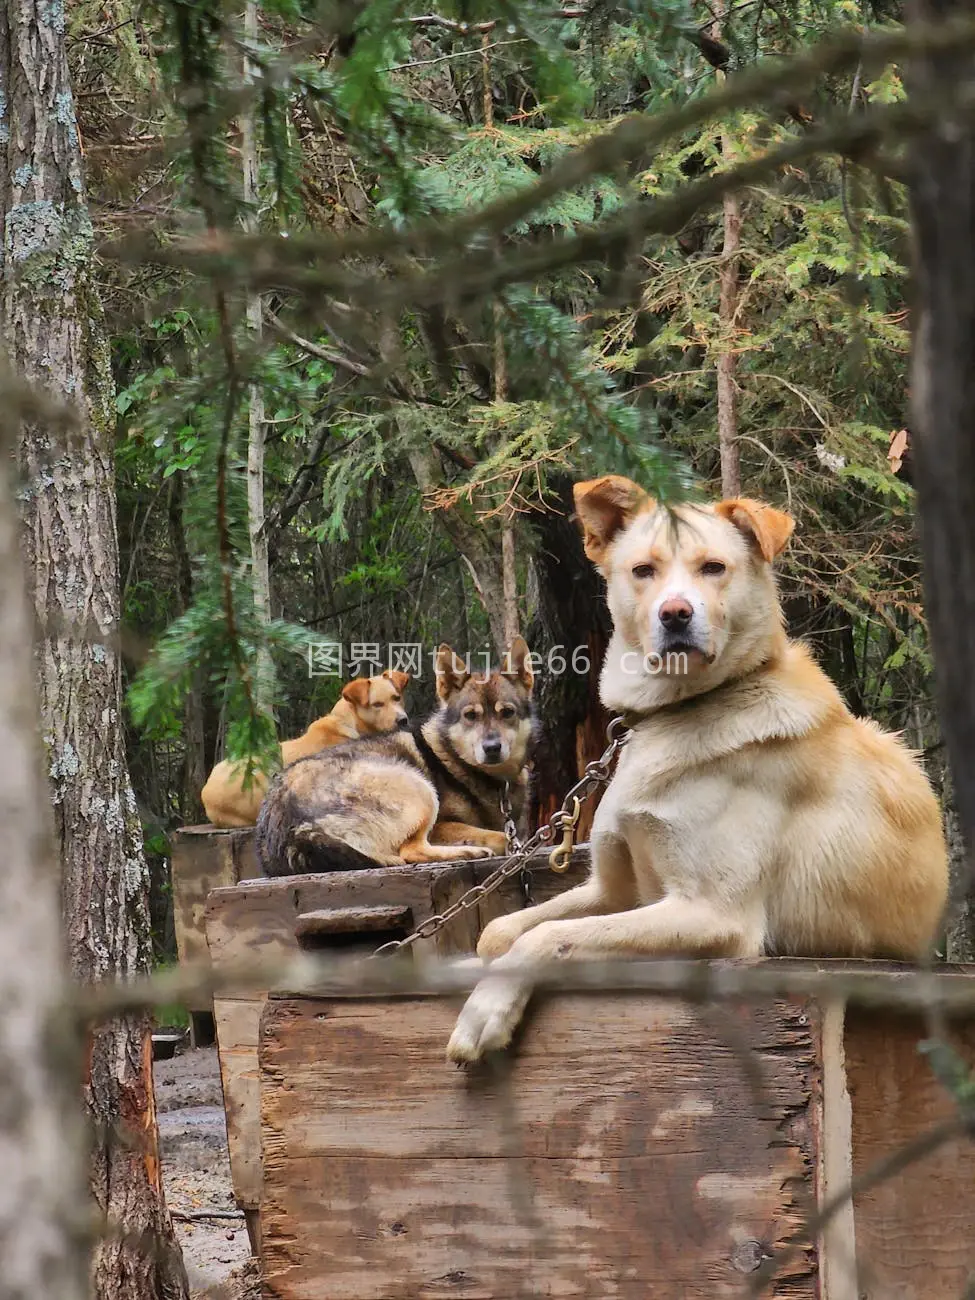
367 707
750 812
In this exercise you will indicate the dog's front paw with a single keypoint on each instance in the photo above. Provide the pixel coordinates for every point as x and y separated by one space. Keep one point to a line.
489 1018
464 852
498 936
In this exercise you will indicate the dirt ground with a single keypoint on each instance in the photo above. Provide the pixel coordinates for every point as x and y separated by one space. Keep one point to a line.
196 1173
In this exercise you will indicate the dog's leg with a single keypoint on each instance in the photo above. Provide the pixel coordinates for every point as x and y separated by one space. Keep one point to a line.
674 925
419 849
459 833
610 888
416 847
688 927
489 1017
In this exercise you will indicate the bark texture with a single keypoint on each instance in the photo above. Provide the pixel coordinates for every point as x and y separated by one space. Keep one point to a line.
727 389
256 422
727 317
42 1192
52 325
572 614
943 393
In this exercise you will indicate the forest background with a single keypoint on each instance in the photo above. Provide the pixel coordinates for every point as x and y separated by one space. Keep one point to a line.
313 312
416 462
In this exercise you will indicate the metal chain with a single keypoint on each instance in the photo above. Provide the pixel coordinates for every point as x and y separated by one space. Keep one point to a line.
597 773
513 843
510 826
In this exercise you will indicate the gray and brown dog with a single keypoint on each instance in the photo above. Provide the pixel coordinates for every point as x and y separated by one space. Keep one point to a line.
428 794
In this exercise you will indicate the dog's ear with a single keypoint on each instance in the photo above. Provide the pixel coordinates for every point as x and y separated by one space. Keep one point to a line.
357 692
770 528
451 672
399 680
518 664
604 506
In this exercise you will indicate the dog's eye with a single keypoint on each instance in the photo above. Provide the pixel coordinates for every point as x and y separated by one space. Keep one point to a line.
643 570
506 711
397 698
713 568
469 715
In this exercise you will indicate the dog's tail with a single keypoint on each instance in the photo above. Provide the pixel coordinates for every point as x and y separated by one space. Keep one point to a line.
289 845
309 848
293 839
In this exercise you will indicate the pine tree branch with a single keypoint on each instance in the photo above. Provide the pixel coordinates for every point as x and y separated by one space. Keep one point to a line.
267 258
478 275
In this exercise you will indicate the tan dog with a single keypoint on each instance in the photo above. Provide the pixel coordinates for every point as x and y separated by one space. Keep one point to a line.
750 813
366 707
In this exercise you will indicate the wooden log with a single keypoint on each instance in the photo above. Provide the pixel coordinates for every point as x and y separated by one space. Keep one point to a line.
354 911
627 1148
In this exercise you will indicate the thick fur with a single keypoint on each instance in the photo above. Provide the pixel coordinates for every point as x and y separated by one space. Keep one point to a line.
367 706
430 794
750 812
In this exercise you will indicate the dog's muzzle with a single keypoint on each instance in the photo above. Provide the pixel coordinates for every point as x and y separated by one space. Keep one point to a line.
678 629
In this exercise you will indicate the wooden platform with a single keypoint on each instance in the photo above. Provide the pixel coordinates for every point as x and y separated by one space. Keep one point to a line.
353 912
635 1151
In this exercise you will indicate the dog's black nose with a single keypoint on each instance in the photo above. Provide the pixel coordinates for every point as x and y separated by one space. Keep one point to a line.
402 721
675 614
492 750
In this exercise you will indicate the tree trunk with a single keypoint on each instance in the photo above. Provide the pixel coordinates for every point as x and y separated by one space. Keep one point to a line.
257 425
572 626
195 766
509 579
42 1192
52 326
943 384
727 312
727 390
960 921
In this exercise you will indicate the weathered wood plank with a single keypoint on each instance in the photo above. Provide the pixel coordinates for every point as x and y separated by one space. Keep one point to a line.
915 1233
200 863
626 1159
260 918
352 920
238 1026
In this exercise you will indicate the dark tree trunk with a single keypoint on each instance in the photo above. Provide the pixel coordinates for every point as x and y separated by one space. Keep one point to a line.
572 614
52 325
943 384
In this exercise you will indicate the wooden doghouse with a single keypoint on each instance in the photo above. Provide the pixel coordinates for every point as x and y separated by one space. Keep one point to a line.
204 858
634 1147
353 911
